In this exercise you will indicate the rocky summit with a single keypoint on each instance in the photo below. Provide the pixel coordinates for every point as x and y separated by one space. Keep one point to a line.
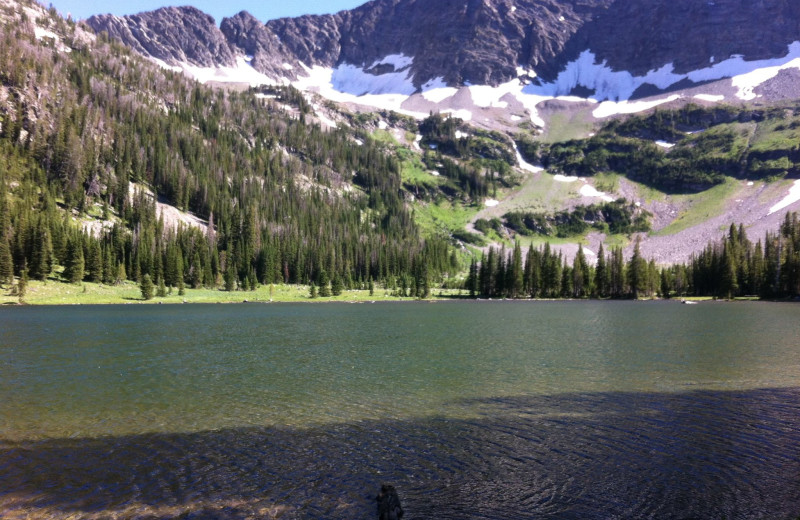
170 34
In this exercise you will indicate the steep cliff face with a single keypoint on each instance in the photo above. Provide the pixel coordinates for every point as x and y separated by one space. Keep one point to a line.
479 42
171 34
646 34
250 36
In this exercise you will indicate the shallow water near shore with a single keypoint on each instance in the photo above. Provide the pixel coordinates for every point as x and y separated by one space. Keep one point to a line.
472 410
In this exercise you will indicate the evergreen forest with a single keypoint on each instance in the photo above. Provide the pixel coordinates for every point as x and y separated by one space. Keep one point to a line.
734 266
91 140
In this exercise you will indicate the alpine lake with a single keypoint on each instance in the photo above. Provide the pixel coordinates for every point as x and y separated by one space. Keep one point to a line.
472 410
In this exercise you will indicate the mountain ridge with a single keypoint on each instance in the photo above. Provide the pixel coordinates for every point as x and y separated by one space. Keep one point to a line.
480 42
534 60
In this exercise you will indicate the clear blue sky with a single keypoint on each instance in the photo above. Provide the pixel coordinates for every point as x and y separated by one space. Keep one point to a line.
262 9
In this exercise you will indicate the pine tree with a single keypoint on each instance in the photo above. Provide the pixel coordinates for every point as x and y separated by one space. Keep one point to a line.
231 276
566 281
515 289
178 271
6 262
73 270
336 285
652 278
147 287
489 274
500 274
324 289
195 272
209 281
637 272
580 272
483 275
616 271
94 263
421 284
42 255
161 290
22 284
533 272
601 275
109 273
666 284
121 275
471 283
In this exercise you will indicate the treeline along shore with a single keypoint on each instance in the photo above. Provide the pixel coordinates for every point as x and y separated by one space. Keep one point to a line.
734 266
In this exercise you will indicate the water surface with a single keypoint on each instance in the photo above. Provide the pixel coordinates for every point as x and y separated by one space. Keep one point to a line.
472 410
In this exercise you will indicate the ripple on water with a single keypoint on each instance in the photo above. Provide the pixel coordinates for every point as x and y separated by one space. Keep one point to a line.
591 410
710 454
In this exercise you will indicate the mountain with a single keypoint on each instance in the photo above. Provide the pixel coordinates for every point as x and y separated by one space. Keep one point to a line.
416 56
113 167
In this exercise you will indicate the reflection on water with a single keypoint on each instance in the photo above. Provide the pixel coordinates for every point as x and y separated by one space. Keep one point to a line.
476 410
704 454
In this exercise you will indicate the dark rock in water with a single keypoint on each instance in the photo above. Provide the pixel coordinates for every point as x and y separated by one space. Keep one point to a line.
389 507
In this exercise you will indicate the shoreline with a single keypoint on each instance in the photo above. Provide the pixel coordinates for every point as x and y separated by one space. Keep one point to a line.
56 293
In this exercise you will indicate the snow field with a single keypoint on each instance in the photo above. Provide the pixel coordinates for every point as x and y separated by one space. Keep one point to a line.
352 83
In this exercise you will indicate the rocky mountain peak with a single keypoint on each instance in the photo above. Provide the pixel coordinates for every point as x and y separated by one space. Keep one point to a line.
251 37
174 35
477 42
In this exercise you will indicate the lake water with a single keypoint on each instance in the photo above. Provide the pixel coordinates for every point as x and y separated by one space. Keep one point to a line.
490 410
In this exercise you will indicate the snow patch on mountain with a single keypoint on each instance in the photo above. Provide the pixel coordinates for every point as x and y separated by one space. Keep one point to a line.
747 82
710 98
243 72
792 197
398 61
166 66
613 108
486 96
436 90
587 190
608 84
324 119
463 113
41 25
525 165
354 80
346 84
